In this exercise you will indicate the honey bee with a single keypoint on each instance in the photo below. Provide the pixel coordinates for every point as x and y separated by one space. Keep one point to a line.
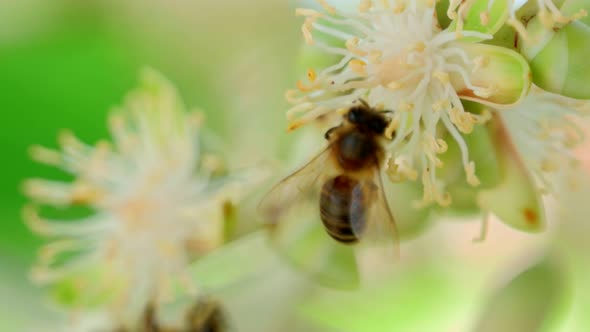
205 315
341 186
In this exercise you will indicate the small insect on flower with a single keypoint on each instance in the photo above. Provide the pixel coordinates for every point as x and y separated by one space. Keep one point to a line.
157 203
341 187
396 55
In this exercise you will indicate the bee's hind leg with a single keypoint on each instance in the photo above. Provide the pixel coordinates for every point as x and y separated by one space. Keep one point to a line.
330 131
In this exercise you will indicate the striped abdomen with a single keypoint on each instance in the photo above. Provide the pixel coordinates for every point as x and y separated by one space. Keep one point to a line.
343 208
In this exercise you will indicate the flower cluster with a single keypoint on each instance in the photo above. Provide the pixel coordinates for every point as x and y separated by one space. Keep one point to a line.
401 56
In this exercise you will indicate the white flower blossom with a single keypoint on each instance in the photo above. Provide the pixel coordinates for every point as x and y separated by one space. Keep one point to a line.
546 129
155 199
395 55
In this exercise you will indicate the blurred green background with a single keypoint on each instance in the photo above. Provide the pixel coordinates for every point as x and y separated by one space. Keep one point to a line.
65 63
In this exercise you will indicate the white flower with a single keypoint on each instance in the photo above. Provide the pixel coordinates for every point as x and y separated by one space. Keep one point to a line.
546 128
156 204
394 55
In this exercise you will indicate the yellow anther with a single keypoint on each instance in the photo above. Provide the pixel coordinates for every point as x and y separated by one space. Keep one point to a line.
419 46
352 46
471 177
303 88
365 6
311 75
484 18
358 66
327 7
442 145
399 8
306 29
442 76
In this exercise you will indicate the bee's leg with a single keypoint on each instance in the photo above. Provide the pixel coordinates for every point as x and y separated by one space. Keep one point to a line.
484 228
386 112
330 131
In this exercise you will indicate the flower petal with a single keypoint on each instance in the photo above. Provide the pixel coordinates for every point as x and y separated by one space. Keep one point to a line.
503 74
515 200
482 19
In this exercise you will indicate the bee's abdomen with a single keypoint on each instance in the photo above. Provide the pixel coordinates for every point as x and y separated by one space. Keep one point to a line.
342 208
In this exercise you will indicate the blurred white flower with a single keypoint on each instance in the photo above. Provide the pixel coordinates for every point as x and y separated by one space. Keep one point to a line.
546 129
396 56
156 201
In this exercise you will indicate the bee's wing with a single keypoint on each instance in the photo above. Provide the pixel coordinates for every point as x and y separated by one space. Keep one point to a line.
380 228
292 210
303 185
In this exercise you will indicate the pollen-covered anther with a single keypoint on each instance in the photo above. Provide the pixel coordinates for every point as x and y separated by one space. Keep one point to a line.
304 88
311 75
431 192
470 173
358 66
399 171
419 46
352 46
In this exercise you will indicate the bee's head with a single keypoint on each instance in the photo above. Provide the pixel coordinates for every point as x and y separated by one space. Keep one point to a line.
367 119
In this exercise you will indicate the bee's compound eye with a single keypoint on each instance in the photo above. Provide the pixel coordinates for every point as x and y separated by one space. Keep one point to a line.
353 115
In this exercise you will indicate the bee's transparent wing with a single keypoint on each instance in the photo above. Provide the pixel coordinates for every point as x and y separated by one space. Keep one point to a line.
291 210
379 227
301 186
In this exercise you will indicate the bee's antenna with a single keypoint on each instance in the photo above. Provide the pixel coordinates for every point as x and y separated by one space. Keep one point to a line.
364 102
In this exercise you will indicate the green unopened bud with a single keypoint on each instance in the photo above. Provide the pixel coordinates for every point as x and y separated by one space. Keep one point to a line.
557 50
